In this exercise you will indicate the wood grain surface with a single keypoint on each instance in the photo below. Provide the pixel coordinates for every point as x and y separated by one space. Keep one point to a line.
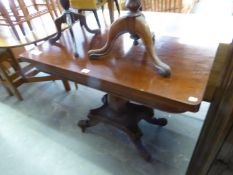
126 71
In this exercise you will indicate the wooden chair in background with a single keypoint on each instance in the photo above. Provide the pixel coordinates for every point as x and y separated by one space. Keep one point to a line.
12 74
91 5
6 79
177 6
15 13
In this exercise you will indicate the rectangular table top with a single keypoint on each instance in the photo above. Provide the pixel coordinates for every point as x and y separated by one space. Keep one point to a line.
127 71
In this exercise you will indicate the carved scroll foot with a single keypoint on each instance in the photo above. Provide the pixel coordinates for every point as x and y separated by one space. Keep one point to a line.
156 121
143 31
83 124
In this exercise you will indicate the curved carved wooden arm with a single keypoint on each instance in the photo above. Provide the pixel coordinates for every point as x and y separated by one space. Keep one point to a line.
140 29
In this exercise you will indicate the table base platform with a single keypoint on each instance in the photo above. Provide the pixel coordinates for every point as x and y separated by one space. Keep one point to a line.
124 115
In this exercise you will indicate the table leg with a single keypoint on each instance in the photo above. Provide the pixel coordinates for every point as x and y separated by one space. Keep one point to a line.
140 30
124 115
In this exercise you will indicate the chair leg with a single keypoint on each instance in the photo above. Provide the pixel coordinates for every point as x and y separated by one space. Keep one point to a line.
48 5
16 14
4 13
14 63
34 4
81 12
10 84
25 12
66 85
58 6
53 7
117 6
96 17
5 87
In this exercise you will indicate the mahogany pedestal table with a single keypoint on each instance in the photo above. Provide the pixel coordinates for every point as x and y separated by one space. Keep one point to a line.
126 73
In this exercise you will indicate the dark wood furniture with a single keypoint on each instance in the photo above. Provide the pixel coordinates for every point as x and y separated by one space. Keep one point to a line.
125 73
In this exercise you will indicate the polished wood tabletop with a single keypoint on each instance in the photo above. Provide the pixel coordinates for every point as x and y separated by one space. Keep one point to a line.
182 41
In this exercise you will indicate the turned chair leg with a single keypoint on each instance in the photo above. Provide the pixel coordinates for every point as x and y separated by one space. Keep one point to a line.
117 6
96 17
